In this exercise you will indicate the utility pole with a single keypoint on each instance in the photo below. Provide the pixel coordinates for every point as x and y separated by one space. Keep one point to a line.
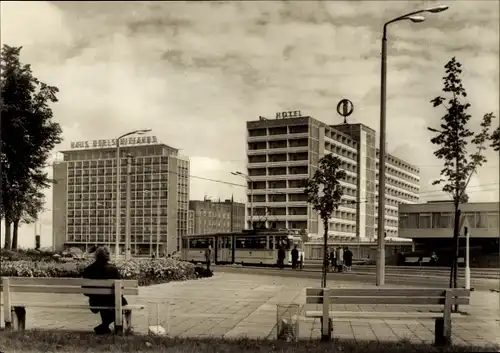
232 219
127 211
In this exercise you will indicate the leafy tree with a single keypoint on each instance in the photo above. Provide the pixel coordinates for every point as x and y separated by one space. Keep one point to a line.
324 193
27 211
495 139
453 140
28 134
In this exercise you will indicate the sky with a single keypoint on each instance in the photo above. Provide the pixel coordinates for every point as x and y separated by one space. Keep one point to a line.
195 72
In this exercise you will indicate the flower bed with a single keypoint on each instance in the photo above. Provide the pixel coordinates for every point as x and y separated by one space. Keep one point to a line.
146 271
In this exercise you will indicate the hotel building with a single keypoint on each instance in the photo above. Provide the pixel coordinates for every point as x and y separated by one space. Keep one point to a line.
84 205
284 152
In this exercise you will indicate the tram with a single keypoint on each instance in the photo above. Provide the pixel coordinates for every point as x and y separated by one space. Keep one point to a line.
249 247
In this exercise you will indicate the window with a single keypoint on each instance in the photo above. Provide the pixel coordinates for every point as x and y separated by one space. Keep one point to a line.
492 220
251 242
436 220
201 243
481 220
445 220
471 219
403 221
413 220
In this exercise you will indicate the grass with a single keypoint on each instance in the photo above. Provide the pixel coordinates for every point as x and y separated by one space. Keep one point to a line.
79 342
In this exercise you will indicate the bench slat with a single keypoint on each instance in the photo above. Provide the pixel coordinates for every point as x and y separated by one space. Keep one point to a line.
380 315
75 306
68 290
387 292
53 281
387 300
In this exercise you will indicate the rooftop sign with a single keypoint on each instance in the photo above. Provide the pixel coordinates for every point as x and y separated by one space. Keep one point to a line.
126 141
291 114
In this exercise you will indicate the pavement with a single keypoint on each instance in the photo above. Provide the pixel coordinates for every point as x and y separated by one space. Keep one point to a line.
413 278
235 305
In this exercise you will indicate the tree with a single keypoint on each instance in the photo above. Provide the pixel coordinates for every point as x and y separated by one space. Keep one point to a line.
28 135
303 235
324 193
26 211
453 140
495 139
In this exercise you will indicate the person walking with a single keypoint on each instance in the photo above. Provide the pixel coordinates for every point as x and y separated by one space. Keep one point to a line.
340 259
281 257
333 259
102 269
348 259
295 257
208 256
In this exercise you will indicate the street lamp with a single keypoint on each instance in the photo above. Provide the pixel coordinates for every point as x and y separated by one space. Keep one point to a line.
251 194
118 190
381 176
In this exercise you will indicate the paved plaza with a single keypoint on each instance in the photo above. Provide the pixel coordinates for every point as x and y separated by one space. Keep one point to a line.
236 305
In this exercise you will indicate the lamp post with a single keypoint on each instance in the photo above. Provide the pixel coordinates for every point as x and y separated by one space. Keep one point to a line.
251 194
118 189
380 279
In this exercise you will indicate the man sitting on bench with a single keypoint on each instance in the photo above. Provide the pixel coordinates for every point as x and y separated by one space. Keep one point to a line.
102 269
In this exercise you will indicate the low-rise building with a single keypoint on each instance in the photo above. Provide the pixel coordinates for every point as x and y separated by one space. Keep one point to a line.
430 225
216 216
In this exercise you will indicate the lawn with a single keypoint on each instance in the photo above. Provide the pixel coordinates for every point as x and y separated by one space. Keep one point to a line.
59 341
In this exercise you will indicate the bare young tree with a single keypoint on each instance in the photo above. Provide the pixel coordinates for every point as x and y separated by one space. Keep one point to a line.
459 148
324 193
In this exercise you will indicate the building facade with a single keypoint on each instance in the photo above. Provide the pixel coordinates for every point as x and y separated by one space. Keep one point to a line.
154 182
284 153
430 225
217 217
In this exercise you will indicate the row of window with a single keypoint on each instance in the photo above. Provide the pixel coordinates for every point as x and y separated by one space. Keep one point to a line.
341 151
405 176
110 162
278 130
400 164
241 242
487 220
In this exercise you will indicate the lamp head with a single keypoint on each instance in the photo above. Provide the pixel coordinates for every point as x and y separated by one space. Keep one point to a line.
416 19
436 9
142 132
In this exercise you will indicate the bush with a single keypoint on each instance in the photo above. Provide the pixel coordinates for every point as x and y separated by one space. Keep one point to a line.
26 255
146 271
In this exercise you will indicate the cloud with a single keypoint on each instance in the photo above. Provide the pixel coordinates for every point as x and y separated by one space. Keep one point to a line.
195 72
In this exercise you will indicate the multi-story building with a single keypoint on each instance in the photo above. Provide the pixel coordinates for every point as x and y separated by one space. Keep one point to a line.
84 206
217 217
284 153
430 225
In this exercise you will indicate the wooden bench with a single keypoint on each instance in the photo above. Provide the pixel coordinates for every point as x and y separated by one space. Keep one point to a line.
388 296
15 310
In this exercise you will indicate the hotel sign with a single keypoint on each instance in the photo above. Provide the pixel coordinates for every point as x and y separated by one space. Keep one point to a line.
126 141
291 114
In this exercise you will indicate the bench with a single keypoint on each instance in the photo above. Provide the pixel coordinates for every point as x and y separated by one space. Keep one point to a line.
15 310
388 296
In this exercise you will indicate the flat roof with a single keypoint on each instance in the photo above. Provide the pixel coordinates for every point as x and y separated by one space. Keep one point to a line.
112 148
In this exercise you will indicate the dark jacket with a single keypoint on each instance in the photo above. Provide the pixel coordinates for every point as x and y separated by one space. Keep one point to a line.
295 255
348 255
98 270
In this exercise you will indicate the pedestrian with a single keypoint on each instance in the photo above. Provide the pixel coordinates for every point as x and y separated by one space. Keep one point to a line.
333 259
102 269
340 259
295 257
348 259
208 256
301 261
281 257
434 259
